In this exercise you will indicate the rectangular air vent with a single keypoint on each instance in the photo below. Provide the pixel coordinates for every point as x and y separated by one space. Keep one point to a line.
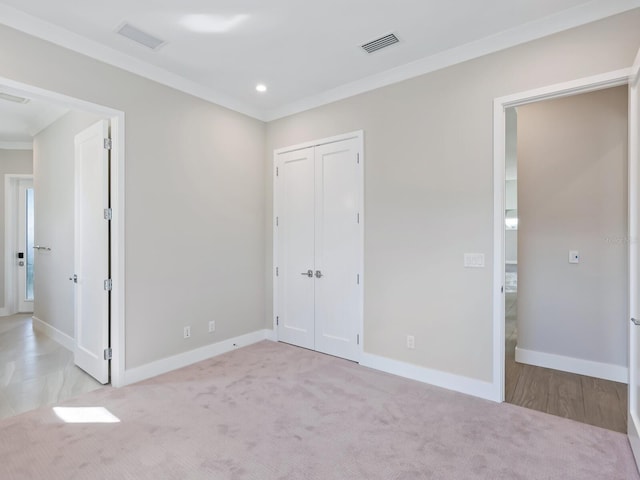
380 43
13 98
140 37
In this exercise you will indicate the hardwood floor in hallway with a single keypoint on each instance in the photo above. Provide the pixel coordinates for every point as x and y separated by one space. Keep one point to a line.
585 399
35 370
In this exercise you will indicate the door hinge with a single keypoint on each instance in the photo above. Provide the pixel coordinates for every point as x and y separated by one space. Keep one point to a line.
277 172
358 279
358 155
108 353
502 289
108 214
107 144
277 221
277 321
358 217
277 271
358 339
108 284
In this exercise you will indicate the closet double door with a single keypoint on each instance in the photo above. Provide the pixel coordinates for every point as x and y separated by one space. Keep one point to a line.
318 240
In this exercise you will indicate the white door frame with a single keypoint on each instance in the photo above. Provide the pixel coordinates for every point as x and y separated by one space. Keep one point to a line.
559 90
359 135
117 118
11 184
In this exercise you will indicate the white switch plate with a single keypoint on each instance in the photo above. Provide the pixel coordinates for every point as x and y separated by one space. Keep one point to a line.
474 260
212 326
574 256
411 342
187 332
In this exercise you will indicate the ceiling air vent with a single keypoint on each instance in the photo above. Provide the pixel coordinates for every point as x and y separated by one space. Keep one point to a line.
140 37
380 43
13 98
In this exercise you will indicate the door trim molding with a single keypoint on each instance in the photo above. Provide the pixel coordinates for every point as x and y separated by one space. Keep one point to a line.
500 104
359 136
117 118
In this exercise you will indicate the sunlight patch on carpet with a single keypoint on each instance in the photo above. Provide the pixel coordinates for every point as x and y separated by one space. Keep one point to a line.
85 415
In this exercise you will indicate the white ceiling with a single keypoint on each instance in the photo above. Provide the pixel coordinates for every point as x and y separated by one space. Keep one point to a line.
20 122
306 52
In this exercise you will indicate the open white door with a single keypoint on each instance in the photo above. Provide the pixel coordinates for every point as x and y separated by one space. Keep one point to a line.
634 261
92 251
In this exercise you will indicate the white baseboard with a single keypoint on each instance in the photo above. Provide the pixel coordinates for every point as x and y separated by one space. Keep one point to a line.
62 338
458 383
168 364
606 371
272 335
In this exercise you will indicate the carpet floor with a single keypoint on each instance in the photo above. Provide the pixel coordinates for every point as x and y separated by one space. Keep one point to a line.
273 411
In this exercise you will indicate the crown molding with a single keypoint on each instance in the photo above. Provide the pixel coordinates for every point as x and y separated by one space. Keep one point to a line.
16 145
574 17
31 25
571 18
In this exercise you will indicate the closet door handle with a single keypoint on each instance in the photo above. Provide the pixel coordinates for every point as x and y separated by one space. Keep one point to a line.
318 274
308 273
635 322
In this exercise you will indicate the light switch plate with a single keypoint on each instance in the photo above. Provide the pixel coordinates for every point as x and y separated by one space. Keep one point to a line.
574 256
474 260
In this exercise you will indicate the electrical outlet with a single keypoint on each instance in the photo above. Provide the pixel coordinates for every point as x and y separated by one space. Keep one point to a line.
187 332
411 342
212 326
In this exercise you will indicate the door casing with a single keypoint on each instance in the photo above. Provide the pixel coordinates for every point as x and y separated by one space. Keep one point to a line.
583 85
359 136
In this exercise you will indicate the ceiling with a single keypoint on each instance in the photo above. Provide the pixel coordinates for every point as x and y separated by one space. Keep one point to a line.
306 53
19 122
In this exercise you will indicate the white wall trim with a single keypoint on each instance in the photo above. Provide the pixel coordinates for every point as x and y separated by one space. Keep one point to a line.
582 85
574 17
16 145
450 381
53 333
117 118
606 371
174 362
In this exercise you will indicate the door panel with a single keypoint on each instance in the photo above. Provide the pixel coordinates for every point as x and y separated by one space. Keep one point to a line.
337 256
92 251
296 247
25 245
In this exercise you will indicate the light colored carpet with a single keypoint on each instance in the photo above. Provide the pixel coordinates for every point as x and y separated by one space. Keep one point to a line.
272 411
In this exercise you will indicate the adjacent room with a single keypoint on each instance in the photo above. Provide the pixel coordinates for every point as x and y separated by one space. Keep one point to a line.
275 252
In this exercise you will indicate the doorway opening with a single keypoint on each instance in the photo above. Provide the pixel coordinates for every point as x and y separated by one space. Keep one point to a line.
565 257
47 258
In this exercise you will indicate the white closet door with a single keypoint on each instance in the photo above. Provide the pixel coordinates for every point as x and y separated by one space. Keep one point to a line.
296 247
337 249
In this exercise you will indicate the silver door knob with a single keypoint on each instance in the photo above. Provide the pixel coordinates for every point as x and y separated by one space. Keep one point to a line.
318 274
308 273
74 279
635 322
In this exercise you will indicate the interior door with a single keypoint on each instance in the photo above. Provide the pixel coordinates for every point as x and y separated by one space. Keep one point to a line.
337 260
25 255
295 265
634 260
92 251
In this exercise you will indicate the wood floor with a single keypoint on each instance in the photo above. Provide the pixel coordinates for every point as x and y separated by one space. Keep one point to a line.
585 399
34 370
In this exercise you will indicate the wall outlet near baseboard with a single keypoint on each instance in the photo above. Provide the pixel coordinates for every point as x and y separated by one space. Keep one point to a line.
411 342
212 326
187 332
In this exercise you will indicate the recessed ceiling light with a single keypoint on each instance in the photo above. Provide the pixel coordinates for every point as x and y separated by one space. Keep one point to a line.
261 88
202 23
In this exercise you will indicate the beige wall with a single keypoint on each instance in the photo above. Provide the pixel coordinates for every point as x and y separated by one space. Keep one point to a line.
53 183
429 192
572 195
11 161
194 193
